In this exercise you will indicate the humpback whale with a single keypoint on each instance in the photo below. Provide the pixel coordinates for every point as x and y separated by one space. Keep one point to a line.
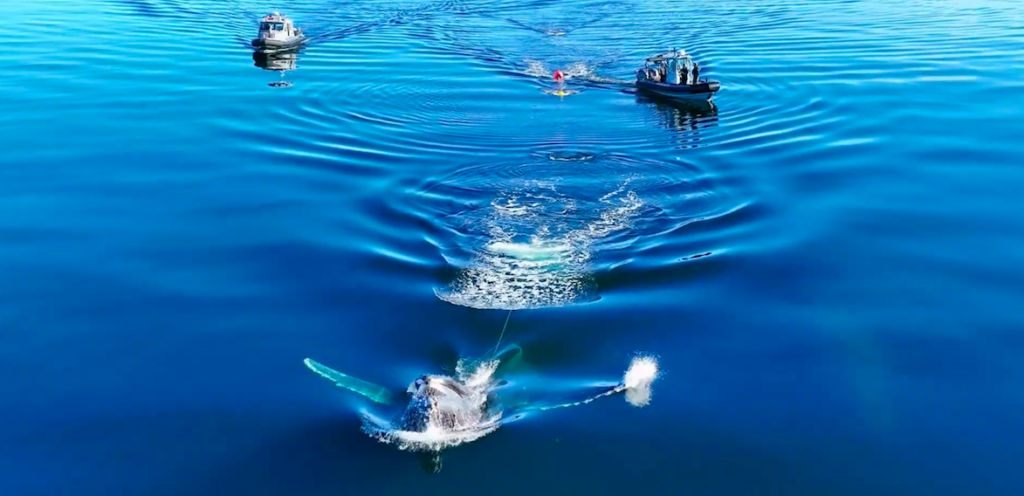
444 411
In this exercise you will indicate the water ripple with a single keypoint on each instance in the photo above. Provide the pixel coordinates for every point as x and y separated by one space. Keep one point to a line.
425 103
533 233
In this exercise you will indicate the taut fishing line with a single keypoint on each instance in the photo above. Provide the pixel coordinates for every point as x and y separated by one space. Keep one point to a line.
502 332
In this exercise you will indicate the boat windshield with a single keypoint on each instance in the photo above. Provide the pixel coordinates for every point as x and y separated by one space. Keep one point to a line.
272 26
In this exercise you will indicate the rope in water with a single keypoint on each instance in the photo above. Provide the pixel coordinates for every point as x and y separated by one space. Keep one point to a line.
502 332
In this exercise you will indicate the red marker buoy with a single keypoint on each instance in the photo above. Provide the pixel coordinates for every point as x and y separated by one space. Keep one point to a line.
558 76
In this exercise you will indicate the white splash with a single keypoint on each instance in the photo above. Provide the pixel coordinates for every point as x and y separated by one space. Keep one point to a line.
435 438
536 69
501 280
638 380
562 92
572 70
478 375
465 417
548 268
578 70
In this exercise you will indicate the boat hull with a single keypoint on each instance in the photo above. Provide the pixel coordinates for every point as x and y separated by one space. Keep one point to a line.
271 43
701 91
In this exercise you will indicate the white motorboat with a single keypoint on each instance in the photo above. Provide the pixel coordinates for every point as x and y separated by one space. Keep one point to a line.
277 31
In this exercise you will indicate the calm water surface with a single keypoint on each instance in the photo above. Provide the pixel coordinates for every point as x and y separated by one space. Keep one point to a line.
827 260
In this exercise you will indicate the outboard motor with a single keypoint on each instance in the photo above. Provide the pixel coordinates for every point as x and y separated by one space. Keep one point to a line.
673 72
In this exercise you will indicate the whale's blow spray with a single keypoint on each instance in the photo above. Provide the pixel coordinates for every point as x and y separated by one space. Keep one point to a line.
638 380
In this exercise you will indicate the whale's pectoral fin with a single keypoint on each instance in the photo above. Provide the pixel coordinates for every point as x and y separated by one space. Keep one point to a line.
508 356
370 390
431 461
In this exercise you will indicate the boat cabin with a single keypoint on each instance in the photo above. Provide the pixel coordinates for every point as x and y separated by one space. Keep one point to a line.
675 67
277 27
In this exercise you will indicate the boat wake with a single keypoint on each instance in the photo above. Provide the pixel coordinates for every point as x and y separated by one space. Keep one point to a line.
577 72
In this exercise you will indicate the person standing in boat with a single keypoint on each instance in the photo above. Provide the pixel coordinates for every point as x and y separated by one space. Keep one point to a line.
696 73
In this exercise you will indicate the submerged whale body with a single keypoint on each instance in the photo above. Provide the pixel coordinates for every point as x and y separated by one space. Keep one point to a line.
443 412
533 251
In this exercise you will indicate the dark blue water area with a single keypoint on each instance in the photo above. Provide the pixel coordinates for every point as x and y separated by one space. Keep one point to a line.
825 260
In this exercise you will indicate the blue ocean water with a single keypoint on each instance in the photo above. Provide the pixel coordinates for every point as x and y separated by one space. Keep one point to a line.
826 260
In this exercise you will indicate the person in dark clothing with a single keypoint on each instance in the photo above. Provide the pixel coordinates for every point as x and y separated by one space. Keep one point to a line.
696 73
